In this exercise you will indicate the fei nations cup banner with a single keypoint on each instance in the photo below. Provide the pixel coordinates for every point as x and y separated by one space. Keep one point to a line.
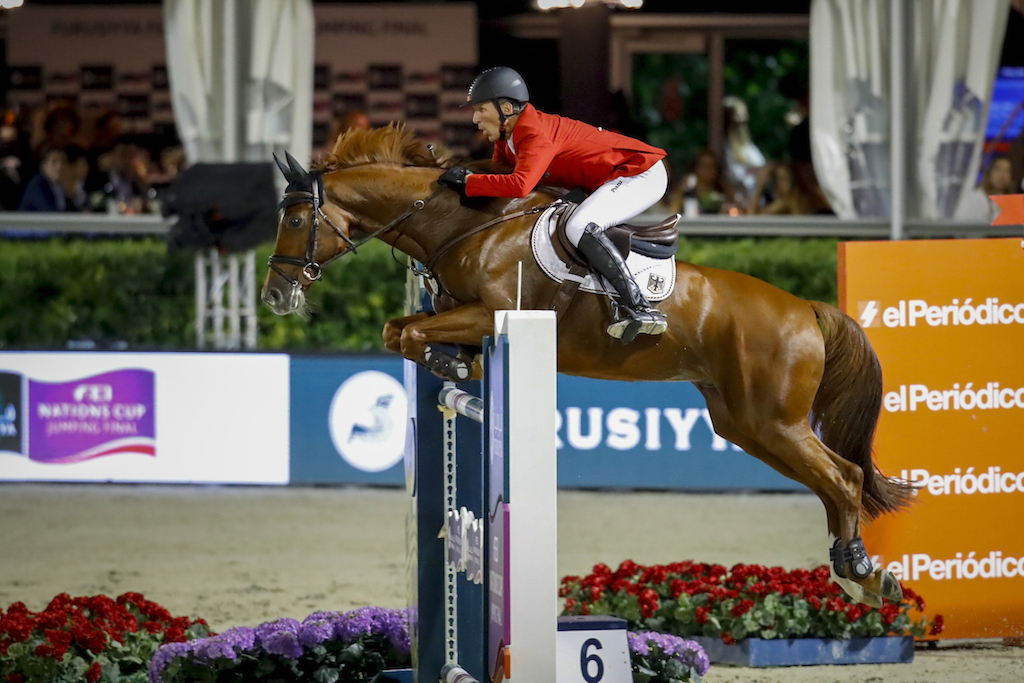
946 318
144 417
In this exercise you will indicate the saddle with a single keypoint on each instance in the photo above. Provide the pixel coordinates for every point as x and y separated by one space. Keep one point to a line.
659 241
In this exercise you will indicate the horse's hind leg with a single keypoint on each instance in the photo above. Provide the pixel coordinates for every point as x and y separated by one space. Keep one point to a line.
726 428
825 487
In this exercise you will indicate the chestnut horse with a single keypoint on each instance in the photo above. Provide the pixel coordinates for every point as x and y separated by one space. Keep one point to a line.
794 383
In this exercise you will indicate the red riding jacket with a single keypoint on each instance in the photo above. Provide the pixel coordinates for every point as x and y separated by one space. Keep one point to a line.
561 152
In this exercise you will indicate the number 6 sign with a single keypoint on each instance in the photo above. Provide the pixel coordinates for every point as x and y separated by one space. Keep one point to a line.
593 649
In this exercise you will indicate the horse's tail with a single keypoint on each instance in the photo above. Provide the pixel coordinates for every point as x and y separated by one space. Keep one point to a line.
846 408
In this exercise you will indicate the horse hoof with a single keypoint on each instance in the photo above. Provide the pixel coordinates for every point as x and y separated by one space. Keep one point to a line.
857 592
891 588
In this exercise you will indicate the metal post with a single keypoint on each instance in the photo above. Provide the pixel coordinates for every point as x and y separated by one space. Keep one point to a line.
217 297
898 59
201 300
234 307
249 302
229 146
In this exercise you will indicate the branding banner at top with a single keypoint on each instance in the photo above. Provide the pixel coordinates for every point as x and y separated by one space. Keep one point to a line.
946 318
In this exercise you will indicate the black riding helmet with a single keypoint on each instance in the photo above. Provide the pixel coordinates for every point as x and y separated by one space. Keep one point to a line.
494 84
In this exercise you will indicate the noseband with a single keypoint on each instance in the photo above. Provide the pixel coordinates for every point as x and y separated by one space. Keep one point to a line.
315 196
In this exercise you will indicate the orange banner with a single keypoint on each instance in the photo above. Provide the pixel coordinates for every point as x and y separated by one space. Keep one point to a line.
946 318
1011 209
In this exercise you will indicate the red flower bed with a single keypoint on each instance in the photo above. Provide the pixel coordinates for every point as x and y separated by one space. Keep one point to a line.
92 638
692 599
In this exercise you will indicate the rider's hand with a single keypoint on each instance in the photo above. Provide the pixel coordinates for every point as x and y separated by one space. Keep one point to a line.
455 179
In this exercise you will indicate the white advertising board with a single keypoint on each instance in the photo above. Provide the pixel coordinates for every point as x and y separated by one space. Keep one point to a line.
144 417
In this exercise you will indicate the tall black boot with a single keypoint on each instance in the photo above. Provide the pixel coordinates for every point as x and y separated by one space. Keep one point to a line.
608 262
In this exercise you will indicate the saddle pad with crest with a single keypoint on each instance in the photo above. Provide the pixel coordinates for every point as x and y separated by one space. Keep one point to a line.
656 277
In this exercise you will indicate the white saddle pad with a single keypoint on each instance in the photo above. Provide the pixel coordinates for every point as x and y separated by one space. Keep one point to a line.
656 276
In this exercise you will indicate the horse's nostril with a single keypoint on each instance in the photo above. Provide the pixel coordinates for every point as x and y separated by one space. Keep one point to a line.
271 295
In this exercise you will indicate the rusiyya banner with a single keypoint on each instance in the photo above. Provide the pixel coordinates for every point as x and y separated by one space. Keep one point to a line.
210 418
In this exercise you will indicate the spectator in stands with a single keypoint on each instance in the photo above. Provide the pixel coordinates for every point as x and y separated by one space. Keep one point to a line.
793 188
10 163
997 178
58 125
706 190
743 158
44 191
72 178
116 179
353 118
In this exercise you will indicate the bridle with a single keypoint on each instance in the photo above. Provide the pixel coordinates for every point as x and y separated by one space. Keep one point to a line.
315 196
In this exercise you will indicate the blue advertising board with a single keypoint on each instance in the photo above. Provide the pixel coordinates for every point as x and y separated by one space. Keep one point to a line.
348 421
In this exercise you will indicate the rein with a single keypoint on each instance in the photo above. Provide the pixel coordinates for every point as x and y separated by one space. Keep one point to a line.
310 268
314 271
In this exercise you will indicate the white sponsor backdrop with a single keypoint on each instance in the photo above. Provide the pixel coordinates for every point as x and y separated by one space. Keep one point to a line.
220 418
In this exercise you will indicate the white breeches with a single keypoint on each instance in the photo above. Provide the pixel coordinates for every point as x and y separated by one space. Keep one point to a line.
618 200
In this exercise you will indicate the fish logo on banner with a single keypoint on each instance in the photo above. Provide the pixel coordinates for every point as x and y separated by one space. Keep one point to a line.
106 414
368 421
10 413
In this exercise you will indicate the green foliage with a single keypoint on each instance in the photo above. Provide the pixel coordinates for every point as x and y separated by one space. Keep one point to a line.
57 291
805 267
753 71
670 94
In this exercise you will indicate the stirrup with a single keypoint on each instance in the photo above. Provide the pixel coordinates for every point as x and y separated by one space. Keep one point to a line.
643 321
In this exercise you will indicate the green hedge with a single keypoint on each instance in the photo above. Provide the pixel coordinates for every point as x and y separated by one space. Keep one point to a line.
57 291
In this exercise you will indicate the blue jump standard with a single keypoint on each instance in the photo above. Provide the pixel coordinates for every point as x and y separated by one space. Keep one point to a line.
758 652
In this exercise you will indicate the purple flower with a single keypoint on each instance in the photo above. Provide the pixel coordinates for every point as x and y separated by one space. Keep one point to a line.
283 643
241 638
312 633
209 650
637 643
271 628
688 652
320 616
352 626
164 655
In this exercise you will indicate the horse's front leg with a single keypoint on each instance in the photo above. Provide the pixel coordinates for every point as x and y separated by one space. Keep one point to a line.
393 330
465 325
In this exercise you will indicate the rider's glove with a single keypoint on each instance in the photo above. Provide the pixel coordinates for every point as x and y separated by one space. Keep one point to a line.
455 179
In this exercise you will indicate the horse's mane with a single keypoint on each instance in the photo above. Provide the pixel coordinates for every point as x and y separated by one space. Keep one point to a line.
390 144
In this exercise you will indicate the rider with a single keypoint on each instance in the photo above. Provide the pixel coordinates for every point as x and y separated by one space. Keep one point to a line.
623 176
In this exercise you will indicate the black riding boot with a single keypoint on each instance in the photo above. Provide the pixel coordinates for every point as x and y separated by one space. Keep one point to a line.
608 262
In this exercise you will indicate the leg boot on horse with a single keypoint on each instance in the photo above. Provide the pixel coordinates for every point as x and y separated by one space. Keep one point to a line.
608 262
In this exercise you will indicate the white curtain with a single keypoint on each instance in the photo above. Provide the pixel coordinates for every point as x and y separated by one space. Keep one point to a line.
194 67
279 91
958 65
956 46
241 75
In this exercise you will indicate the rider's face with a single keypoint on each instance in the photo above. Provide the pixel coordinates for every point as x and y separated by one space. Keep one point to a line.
485 116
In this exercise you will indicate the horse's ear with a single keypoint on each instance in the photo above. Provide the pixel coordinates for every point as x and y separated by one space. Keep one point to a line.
284 169
295 166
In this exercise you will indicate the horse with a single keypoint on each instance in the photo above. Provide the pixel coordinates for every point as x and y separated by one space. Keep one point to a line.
794 383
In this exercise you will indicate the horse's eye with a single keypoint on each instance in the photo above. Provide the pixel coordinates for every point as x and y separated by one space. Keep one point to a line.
295 221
